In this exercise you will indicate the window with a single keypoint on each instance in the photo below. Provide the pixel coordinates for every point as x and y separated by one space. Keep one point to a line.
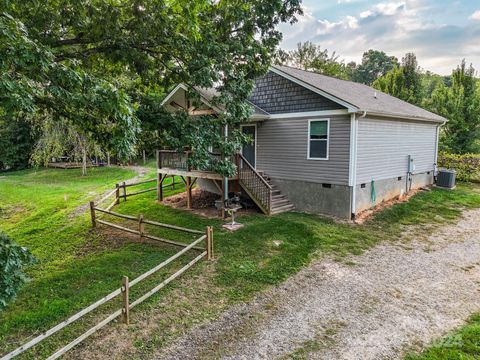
318 134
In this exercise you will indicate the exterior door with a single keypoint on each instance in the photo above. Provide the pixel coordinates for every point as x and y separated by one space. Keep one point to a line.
249 150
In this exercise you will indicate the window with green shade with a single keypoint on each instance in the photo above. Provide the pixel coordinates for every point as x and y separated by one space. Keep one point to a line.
318 132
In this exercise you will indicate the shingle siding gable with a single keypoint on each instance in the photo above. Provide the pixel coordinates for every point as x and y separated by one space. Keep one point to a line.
275 94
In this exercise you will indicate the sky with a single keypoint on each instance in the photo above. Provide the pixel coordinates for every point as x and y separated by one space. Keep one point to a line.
440 32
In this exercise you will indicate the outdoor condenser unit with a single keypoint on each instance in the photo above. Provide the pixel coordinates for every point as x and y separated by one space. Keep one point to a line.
446 178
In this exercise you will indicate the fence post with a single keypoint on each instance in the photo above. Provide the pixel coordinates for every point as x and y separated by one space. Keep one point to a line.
117 193
211 243
141 225
209 233
92 213
126 305
124 191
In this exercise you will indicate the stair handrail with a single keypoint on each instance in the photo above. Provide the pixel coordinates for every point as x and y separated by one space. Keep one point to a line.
255 171
261 194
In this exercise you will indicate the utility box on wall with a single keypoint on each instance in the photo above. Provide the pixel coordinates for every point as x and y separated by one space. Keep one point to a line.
446 178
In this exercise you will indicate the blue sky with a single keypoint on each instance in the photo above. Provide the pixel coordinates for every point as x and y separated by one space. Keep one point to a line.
440 32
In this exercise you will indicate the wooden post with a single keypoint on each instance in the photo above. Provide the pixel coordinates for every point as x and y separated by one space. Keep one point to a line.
124 191
108 159
92 213
189 192
141 225
144 158
117 193
209 234
212 252
173 182
125 302
159 187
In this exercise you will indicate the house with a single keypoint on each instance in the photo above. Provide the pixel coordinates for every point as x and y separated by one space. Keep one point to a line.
323 145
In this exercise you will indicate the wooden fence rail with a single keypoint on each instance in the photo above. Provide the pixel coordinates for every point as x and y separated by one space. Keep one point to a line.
120 191
124 291
207 252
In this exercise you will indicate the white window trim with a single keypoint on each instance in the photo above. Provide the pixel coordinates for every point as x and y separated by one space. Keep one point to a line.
254 142
328 139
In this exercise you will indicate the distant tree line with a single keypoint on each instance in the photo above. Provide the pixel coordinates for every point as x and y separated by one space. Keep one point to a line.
455 97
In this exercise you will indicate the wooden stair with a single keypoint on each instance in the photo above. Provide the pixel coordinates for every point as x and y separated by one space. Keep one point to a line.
280 202
261 189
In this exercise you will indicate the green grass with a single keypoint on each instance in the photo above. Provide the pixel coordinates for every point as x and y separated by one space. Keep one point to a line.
463 344
78 266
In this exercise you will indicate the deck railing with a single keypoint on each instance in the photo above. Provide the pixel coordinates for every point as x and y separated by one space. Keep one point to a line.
172 159
254 184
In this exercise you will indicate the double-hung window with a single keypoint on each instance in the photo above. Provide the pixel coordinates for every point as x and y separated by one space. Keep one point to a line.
318 138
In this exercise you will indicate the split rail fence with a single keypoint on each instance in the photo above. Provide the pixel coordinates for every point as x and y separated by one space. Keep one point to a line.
120 191
124 312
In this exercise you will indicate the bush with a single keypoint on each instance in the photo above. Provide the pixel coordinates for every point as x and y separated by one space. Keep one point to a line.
12 260
467 166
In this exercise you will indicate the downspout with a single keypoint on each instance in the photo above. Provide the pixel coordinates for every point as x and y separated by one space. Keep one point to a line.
353 159
225 179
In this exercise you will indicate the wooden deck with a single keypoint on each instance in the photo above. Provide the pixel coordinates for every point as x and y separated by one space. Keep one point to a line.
193 174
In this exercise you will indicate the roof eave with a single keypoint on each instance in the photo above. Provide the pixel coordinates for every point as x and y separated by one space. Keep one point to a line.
401 116
350 107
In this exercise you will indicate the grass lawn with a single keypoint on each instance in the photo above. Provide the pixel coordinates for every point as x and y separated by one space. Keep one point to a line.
463 344
78 266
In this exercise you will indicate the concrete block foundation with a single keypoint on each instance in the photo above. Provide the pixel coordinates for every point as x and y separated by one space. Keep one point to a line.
388 189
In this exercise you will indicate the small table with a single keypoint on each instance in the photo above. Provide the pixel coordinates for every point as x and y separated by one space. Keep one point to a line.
231 210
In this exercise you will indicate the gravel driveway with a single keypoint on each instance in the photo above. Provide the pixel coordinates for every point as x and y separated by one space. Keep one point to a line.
391 299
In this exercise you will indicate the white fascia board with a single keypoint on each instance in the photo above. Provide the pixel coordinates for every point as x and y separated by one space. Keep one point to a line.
351 108
309 114
173 92
404 117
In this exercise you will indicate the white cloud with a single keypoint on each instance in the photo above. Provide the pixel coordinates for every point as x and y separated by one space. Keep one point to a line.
475 15
396 27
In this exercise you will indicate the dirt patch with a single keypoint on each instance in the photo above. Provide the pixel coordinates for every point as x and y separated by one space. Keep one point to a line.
203 204
157 322
80 210
389 301
367 214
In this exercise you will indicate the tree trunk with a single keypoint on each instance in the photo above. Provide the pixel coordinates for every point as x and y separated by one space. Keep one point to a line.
84 162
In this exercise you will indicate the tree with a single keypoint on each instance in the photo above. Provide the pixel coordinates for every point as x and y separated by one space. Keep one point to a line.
17 139
403 82
374 65
13 258
34 85
309 56
460 104
59 138
203 43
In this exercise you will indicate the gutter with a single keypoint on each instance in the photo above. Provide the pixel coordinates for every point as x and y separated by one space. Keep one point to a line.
404 117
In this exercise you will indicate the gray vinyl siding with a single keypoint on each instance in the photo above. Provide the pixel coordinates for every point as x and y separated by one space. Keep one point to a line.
383 147
275 94
282 150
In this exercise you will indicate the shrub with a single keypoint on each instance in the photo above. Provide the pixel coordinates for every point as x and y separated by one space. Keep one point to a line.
467 166
13 258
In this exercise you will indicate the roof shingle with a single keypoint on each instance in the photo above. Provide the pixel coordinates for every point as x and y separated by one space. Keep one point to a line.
359 95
